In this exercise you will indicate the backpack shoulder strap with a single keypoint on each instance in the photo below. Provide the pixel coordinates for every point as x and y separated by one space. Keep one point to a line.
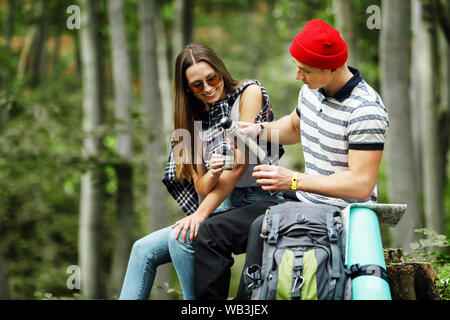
334 243
272 245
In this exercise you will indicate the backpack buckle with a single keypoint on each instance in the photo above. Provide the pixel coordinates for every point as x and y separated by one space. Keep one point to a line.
253 272
273 238
355 268
332 235
273 233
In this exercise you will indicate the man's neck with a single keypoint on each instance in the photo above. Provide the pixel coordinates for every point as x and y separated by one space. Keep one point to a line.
342 76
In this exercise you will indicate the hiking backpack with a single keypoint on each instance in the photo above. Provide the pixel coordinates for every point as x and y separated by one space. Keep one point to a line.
303 254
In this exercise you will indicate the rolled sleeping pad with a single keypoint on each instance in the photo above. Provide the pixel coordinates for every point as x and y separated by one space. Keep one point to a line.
365 256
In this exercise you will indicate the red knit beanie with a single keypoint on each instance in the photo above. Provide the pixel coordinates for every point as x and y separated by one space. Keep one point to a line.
319 45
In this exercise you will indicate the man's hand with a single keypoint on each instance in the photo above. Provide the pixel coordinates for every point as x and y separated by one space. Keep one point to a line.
273 178
250 129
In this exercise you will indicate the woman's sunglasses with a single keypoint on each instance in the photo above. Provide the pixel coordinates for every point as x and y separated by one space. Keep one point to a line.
212 81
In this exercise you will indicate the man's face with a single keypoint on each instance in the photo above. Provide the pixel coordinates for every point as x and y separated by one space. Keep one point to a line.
314 78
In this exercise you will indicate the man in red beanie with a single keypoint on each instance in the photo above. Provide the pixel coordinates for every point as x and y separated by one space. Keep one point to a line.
339 119
342 125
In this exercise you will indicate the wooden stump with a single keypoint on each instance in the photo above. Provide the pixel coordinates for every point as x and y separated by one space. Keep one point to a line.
410 280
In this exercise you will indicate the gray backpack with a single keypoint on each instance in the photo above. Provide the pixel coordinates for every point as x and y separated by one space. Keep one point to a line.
303 255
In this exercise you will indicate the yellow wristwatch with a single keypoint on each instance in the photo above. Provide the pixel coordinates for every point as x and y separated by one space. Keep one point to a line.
294 181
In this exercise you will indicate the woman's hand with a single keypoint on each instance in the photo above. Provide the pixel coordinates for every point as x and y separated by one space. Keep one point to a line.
216 164
191 222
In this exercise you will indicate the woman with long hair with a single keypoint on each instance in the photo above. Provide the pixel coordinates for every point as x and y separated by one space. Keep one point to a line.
204 93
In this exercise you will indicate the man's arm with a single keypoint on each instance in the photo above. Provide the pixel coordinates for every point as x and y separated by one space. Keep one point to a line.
288 128
355 183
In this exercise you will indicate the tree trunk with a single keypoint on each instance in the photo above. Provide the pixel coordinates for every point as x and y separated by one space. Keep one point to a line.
122 105
4 287
182 25
155 149
5 75
91 198
410 280
188 22
442 11
414 97
38 57
431 152
444 100
344 23
164 75
394 69
10 21
26 52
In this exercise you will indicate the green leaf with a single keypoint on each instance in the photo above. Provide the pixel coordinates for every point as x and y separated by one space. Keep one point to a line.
110 142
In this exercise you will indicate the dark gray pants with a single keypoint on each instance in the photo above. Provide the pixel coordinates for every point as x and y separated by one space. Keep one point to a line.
220 236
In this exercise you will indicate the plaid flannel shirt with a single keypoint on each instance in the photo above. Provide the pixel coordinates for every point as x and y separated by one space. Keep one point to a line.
184 191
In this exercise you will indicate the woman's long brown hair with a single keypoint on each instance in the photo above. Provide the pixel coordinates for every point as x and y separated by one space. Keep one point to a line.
187 107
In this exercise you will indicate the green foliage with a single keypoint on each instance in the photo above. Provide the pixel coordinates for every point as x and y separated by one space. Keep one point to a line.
49 296
425 249
174 293
434 248
443 281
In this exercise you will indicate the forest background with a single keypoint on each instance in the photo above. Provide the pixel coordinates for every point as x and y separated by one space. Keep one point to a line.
86 116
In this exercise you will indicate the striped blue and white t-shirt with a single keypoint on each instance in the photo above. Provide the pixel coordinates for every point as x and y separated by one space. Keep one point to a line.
354 118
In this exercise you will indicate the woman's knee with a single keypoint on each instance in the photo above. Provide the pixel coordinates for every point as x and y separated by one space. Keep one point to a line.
151 248
139 246
173 241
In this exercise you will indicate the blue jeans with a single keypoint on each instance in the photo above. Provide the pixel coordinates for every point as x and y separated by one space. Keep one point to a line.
161 247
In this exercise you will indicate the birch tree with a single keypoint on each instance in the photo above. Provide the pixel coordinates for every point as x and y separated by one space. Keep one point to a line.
91 198
182 25
4 78
425 35
343 13
394 69
414 96
122 105
164 74
156 154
